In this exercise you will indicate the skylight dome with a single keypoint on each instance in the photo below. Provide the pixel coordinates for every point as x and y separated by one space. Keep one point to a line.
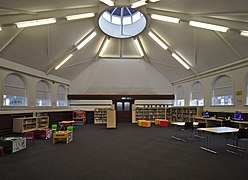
122 22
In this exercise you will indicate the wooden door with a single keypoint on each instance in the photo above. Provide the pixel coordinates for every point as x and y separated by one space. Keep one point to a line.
123 111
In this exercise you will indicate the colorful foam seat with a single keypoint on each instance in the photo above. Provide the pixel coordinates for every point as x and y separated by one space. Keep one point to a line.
140 121
163 123
145 124
157 121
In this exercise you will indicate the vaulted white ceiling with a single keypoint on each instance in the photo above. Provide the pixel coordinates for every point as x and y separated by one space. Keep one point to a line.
43 47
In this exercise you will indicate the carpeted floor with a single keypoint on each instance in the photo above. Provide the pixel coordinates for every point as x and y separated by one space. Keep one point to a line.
125 153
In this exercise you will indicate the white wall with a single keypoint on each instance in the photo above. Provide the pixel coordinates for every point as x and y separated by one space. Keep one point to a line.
239 77
31 78
121 76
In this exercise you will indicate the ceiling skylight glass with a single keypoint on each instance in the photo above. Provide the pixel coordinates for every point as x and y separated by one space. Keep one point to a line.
122 22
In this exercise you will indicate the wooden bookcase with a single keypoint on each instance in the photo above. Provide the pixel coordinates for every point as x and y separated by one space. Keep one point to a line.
43 122
183 113
100 115
148 112
111 118
26 124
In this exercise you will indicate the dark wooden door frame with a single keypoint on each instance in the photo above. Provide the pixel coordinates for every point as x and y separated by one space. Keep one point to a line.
123 116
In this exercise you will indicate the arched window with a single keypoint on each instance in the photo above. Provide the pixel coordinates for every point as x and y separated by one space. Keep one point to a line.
14 91
61 96
42 94
222 91
197 95
179 96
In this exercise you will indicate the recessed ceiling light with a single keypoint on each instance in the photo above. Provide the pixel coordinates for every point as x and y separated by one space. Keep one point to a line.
208 26
79 16
165 18
35 22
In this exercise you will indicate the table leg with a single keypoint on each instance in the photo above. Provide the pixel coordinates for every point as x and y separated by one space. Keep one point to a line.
178 137
208 144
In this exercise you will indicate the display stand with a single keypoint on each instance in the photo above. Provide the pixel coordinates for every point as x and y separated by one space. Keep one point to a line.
79 116
13 144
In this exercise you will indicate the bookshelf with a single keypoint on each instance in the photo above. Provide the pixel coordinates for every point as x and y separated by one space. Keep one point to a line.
148 112
43 122
26 124
183 113
100 115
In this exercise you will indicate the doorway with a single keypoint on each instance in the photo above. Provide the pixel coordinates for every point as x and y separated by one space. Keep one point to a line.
123 110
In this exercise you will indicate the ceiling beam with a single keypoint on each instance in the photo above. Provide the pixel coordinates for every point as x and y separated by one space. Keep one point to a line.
233 24
143 49
64 54
76 64
11 39
173 51
7 20
167 65
17 11
229 44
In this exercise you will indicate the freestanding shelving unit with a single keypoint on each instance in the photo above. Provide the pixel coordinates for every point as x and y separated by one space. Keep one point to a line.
183 113
100 115
43 122
111 118
148 112
26 124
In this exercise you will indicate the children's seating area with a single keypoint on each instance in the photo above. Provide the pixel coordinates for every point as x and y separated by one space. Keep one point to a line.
147 123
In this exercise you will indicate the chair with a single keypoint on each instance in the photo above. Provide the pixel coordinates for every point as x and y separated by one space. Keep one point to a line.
200 125
227 123
54 127
29 136
188 127
70 128
242 134
1 150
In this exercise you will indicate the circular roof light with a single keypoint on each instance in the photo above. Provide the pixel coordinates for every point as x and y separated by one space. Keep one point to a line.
122 22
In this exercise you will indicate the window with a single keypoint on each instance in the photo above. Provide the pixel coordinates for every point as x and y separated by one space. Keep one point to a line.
126 106
119 106
61 96
14 91
42 94
222 92
179 96
122 22
197 95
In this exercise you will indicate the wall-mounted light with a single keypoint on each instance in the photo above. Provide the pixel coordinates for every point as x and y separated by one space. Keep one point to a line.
108 2
138 46
208 26
165 18
35 22
86 40
180 61
1 28
79 16
63 62
104 47
157 40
